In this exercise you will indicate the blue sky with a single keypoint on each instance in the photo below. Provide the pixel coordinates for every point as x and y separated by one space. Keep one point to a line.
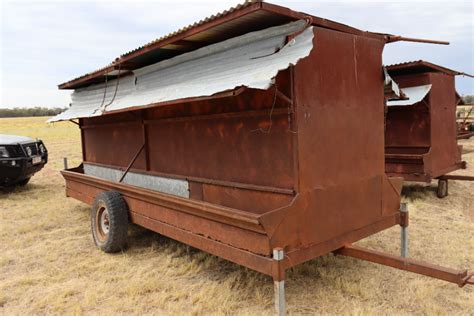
44 43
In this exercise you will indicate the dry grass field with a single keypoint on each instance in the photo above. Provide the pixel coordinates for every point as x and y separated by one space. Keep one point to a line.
49 265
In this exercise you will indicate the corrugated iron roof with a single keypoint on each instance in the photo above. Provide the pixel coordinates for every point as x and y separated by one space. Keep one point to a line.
190 26
243 18
111 66
252 61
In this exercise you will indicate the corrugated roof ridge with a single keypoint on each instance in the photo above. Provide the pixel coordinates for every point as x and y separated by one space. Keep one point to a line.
195 24
181 30
425 63
406 63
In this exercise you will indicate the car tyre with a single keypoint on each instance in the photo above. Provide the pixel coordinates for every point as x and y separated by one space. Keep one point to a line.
24 182
109 221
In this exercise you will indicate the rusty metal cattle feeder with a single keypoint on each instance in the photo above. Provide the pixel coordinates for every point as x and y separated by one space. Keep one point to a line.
421 131
465 120
238 149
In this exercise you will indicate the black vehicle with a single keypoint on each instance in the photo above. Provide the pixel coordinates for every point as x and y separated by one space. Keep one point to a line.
20 158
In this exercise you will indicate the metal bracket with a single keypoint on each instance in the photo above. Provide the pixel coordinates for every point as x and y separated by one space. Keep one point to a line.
404 230
285 98
132 162
404 218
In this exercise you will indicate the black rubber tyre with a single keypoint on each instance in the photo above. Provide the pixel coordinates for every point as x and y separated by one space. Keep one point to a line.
109 221
442 191
24 182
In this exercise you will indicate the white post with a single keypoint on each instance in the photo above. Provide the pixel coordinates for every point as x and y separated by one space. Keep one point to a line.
404 233
279 286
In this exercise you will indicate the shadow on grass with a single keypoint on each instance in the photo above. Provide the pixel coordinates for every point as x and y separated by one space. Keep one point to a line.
18 189
418 191
467 151
15 189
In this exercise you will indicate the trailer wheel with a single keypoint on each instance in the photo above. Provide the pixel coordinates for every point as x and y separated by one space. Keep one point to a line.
109 221
442 188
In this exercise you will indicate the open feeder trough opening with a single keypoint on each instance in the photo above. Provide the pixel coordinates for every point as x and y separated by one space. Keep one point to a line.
215 147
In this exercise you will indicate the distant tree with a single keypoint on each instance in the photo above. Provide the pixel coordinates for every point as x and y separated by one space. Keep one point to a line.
468 99
26 112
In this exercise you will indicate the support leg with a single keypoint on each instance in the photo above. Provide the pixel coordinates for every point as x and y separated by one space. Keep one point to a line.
279 286
65 163
404 230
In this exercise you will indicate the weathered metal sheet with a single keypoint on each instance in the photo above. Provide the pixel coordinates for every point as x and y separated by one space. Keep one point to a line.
252 60
414 95
161 184
392 90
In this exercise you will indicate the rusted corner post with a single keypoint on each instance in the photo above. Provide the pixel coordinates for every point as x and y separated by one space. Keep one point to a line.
404 230
279 283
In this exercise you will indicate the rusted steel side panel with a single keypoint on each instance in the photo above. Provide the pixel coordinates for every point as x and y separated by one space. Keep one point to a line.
237 237
444 148
248 200
247 259
339 119
313 251
403 167
408 127
114 144
341 156
234 149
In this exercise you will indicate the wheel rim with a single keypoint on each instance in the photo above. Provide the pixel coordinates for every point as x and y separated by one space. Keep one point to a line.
103 223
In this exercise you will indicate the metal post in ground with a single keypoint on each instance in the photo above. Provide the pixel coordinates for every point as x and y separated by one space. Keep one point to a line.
404 230
65 163
279 286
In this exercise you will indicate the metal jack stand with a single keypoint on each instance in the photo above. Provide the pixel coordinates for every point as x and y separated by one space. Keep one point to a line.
279 285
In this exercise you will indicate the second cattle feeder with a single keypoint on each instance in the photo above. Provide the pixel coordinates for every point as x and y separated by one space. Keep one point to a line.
421 132
235 148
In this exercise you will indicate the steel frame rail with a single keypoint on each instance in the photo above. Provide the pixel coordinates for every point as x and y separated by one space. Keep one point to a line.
459 277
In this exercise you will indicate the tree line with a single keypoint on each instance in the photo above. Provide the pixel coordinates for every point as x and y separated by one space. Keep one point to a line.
468 99
42 111
36 111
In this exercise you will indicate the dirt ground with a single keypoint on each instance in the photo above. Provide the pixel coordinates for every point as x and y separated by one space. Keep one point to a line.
49 265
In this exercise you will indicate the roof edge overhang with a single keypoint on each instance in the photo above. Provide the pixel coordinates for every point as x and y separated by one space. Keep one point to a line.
220 95
422 66
125 63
